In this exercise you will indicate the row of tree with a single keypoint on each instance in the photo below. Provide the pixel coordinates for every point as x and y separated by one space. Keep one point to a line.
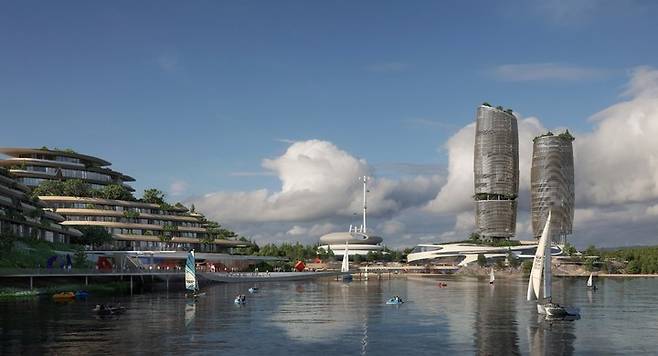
638 260
80 188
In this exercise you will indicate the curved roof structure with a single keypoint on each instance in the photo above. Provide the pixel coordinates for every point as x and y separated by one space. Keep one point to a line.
468 252
350 237
17 152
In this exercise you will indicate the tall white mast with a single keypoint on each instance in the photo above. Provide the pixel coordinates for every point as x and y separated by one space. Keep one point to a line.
365 202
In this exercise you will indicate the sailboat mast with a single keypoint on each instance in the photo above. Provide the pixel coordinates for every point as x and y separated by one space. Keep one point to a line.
365 202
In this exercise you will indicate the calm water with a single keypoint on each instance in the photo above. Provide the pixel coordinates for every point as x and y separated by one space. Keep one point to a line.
329 317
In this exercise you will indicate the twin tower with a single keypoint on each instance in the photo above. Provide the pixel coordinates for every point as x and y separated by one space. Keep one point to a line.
496 177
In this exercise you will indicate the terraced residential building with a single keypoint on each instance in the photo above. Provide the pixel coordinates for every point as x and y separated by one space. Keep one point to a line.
134 225
32 166
496 172
23 216
552 184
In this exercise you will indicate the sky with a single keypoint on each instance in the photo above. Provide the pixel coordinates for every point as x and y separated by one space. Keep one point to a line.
264 113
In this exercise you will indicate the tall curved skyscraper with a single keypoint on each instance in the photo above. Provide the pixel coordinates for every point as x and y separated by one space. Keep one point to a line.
552 184
496 170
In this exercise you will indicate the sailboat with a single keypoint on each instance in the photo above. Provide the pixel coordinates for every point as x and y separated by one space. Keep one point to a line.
590 282
365 275
191 283
345 267
492 277
542 265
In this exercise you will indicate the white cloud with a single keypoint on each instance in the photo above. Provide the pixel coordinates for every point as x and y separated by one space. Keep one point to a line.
318 181
178 188
617 163
546 71
616 185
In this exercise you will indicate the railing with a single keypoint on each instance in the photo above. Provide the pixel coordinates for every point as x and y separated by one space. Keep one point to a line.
8 272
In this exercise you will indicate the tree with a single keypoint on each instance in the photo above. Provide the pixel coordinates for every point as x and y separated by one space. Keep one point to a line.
513 261
569 249
474 237
633 267
371 256
526 266
116 192
482 261
80 259
92 236
153 196
49 188
77 188
168 231
592 251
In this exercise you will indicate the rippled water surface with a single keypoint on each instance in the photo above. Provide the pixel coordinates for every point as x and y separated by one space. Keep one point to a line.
328 317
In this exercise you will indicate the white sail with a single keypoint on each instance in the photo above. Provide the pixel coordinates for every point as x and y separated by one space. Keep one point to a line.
534 283
345 267
492 278
365 276
548 275
190 273
590 282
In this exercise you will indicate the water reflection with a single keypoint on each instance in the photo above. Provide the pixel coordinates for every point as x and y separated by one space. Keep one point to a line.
551 337
495 326
467 317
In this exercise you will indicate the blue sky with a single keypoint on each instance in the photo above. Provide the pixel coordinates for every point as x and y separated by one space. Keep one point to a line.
201 92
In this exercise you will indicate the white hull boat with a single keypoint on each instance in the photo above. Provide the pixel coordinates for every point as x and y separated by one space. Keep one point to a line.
541 267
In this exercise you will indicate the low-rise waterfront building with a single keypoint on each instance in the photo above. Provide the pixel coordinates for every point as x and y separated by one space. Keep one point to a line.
23 216
463 253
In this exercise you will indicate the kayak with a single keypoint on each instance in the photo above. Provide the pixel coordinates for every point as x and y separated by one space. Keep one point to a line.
81 294
64 295
393 301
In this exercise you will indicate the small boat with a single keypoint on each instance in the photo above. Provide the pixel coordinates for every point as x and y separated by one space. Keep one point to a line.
240 299
81 294
395 301
542 265
253 290
64 295
191 283
442 284
492 277
102 309
590 282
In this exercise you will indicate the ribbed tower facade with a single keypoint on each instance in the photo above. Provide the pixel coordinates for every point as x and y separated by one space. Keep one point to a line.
552 184
496 172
